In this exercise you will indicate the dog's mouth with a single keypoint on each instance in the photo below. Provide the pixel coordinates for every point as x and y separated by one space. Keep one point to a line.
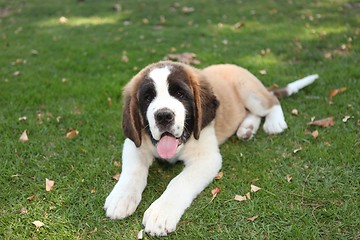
167 145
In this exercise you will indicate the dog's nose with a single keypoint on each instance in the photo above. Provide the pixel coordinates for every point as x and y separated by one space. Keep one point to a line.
164 117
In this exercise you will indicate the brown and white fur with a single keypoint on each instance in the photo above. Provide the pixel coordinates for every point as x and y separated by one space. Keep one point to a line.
179 113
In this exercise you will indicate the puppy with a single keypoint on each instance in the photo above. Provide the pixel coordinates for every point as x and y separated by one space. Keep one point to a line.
176 112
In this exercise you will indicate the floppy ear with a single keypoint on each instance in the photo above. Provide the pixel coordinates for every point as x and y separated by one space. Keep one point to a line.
131 122
206 104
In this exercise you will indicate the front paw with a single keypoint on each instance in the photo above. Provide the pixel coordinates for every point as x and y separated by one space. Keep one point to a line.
121 203
161 218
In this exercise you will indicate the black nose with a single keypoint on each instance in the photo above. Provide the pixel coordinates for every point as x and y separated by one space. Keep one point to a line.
164 117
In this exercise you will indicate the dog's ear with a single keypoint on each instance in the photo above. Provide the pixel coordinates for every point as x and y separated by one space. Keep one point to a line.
131 121
206 104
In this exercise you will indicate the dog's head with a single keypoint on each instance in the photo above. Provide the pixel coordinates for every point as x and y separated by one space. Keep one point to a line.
170 102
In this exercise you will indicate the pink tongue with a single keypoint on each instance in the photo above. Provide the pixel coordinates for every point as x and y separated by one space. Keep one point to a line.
167 146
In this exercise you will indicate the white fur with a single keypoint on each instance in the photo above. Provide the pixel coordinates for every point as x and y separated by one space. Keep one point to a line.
164 100
275 121
249 126
126 195
202 163
294 87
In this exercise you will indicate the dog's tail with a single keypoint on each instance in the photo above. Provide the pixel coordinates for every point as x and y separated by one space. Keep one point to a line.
293 87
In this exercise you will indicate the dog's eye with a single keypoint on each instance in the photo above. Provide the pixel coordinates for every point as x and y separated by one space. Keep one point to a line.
180 94
148 97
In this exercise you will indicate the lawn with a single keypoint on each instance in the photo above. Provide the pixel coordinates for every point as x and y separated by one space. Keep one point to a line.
62 68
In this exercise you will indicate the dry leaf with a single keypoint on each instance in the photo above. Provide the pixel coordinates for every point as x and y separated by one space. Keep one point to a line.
239 25
219 175
116 176
24 118
109 100
17 73
32 197
187 58
334 92
254 180
49 184
23 210
214 193
124 58
93 190
248 195
72 134
38 224
251 219
315 134
117 164
187 10
295 112
240 198
297 150
346 118
140 234
63 19
24 138
326 122
93 231
263 72
288 178
254 188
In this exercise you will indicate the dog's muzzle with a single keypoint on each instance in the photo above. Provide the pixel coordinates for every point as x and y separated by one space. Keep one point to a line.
164 118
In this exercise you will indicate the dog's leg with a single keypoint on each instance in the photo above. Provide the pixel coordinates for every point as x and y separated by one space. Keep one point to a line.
262 103
248 127
202 163
126 195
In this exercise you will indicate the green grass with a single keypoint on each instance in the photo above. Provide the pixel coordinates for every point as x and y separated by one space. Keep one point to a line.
321 201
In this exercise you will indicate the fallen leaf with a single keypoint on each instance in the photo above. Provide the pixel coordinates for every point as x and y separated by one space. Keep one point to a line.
326 122
254 188
315 134
38 224
187 10
240 198
248 195
140 234
295 112
239 25
23 210
116 7
219 175
187 58
32 197
288 178
93 231
334 92
214 193
297 150
49 184
93 190
265 51
346 118
24 118
254 180
63 20
263 72
251 219
109 100
17 73
117 164
358 122
116 176
24 137
72 134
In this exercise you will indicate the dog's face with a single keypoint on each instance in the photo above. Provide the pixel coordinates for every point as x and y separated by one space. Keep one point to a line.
170 102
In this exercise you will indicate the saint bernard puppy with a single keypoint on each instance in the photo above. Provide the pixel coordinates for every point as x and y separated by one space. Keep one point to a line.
177 112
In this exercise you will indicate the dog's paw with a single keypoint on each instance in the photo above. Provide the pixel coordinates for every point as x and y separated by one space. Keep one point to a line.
161 218
120 204
274 121
245 133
